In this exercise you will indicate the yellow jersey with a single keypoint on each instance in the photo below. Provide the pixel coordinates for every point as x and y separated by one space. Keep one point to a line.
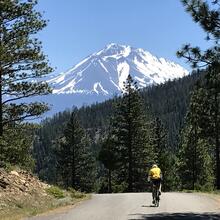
155 173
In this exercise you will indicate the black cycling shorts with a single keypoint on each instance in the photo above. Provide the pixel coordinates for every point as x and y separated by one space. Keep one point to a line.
156 182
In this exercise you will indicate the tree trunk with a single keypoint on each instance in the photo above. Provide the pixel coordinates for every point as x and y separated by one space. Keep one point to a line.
217 142
194 143
109 181
1 113
193 180
130 169
217 163
1 74
73 182
129 148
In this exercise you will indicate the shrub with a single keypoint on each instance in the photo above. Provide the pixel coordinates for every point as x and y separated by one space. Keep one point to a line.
75 194
56 192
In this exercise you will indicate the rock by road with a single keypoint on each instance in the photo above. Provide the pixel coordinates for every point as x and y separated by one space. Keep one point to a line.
138 206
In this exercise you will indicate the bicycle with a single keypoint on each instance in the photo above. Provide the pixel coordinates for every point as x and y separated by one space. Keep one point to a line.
156 195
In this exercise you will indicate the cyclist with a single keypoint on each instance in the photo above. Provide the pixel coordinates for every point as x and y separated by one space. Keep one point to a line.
155 176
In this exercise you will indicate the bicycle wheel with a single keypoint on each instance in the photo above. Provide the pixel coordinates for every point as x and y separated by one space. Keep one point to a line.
157 202
157 198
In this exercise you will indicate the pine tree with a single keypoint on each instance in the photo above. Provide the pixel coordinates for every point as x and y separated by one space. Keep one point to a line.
206 13
196 167
75 160
16 146
21 61
211 126
164 157
109 159
158 139
129 132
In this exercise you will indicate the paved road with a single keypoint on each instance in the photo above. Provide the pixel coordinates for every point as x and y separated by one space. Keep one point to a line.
137 206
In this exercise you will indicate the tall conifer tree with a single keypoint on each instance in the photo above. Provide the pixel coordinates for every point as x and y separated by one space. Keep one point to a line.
21 61
207 14
164 157
75 160
130 133
108 157
196 152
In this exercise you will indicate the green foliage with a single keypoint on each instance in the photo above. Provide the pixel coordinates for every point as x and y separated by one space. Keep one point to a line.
130 136
167 102
206 13
101 184
21 61
56 192
205 118
164 156
45 146
107 155
169 167
196 166
16 146
75 162
119 188
109 158
75 194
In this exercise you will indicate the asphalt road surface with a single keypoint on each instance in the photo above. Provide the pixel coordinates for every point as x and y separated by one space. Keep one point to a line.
138 206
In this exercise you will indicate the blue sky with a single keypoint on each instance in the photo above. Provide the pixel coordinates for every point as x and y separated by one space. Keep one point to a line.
78 28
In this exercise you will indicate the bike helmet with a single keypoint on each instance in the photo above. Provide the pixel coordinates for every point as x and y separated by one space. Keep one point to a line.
154 166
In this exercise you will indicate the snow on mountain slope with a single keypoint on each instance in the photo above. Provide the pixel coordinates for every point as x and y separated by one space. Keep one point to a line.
104 72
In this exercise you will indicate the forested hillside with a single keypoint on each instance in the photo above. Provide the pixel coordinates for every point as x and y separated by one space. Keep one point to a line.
167 101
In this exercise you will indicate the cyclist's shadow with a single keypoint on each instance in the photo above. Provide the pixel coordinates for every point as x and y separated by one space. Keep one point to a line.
149 206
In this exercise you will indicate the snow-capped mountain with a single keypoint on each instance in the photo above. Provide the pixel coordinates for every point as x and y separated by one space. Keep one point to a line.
104 72
101 75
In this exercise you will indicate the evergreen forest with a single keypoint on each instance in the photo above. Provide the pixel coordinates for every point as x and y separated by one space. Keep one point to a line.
110 146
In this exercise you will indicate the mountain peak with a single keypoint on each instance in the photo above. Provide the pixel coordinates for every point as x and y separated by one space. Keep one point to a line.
115 46
114 49
104 72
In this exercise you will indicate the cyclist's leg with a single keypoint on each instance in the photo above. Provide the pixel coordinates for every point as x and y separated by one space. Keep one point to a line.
160 187
158 191
157 186
154 190
152 193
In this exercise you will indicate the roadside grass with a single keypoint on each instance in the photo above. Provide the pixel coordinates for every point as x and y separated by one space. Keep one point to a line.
201 191
214 194
191 191
27 205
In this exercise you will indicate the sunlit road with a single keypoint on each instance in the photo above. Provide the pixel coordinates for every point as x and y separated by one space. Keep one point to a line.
136 206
